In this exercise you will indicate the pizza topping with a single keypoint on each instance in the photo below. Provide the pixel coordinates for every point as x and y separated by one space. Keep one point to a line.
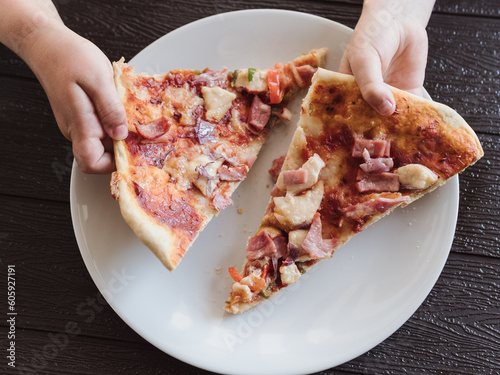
282 113
377 182
295 177
303 74
204 132
289 274
259 114
182 103
232 174
260 245
254 281
291 211
113 185
235 275
153 129
416 176
221 201
275 170
313 244
273 82
217 102
377 148
252 80
373 206
241 293
376 165
207 177
312 167
211 78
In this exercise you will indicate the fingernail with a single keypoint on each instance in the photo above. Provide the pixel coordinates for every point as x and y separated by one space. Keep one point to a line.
120 132
386 107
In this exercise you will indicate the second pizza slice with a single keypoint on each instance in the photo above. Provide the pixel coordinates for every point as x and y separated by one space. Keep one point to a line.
347 167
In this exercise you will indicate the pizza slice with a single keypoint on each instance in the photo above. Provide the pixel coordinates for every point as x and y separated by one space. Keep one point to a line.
193 136
346 167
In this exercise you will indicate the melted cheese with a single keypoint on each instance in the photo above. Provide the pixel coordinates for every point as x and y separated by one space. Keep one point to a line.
289 274
416 176
184 171
217 102
257 84
313 166
205 184
293 210
183 101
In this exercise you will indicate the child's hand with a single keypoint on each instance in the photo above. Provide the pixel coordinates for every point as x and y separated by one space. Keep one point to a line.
78 80
388 45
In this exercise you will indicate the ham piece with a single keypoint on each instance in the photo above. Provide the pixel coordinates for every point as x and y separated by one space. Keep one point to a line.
295 177
153 129
259 114
232 174
220 201
373 206
314 245
260 245
377 165
377 182
275 170
377 148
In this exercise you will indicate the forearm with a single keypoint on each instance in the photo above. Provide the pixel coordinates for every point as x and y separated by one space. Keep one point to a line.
23 21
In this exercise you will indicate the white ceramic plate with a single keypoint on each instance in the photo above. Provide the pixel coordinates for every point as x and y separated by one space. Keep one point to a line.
336 312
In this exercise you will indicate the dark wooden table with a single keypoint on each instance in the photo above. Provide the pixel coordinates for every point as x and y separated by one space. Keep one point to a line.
457 328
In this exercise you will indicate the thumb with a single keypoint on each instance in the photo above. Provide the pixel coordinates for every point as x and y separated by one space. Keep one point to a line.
368 74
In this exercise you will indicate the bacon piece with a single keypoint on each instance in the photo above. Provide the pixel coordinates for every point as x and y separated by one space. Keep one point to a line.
237 173
373 206
211 78
314 245
377 182
377 148
275 170
153 129
220 201
260 245
281 246
295 177
306 73
377 165
259 114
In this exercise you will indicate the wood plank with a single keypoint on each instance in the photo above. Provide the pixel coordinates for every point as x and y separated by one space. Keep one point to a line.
478 225
36 158
483 8
68 352
53 285
462 68
455 330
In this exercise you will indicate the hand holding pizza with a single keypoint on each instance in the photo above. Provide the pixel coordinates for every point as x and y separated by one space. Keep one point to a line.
76 76
389 45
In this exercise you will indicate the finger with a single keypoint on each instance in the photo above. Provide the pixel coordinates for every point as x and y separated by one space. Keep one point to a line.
91 156
367 70
108 106
344 66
